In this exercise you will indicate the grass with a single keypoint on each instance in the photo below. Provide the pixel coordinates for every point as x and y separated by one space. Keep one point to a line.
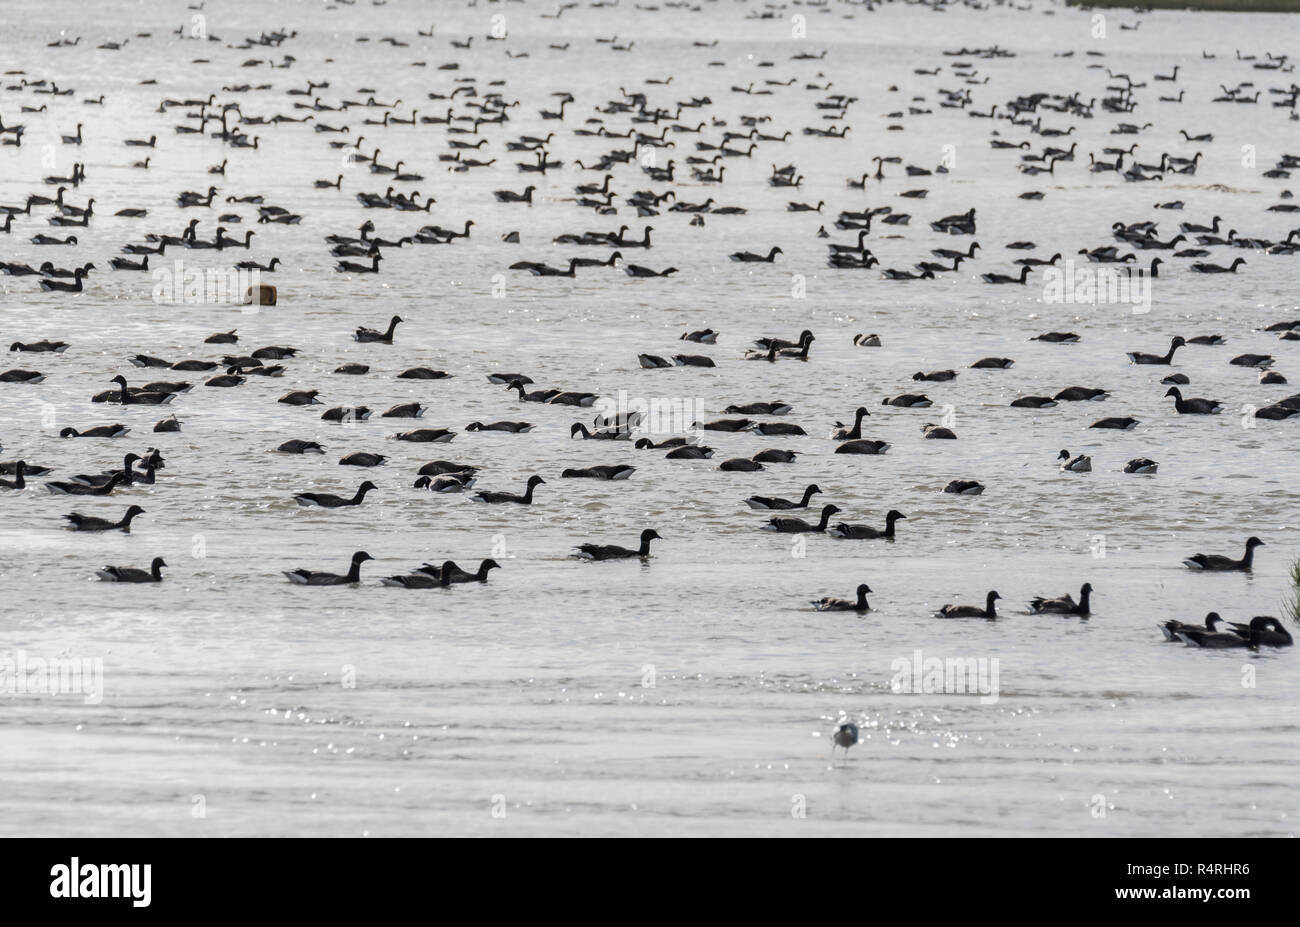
1229 6
1291 601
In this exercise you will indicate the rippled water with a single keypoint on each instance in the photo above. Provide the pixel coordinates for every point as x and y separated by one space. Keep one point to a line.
694 693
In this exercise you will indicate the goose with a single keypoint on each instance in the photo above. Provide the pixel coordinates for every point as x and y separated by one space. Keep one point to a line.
423 373
1252 360
1141 465
1033 402
1215 563
934 432
497 497
867 341
373 336
424 578
1079 464
76 286
690 452
117 574
134 395
99 431
227 380
125 476
326 500
1003 278
970 611
446 467
362 459
509 196
303 577
19 481
454 574
79 489
777 428
352 267
866 532
1170 629
636 270
1080 394
1193 406
614 552
863 446
908 401
21 376
740 465
56 347
964 487
598 435
759 408
1203 268
703 336
1137 357
405 410
749 257
303 397
1063 605
799 526
772 503
993 363
296 446
79 522
935 376
829 604
511 427
599 473
1270 631
1220 640
1116 423
456 482
426 436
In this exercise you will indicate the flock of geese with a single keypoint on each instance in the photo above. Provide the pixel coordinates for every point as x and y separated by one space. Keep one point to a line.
661 155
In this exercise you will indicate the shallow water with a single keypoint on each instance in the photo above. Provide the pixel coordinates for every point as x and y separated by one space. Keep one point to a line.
694 693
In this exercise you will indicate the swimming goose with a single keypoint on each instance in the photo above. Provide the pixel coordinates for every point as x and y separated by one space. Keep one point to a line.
1193 406
424 578
1079 464
970 611
772 503
303 577
302 397
690 452
1118 424
1252 360
992 363
116 574
620 434
1137 357
57 347
703 336
964 487
362 459
863 446
1080 394
1003 278
1170 629
843 433
525 499
799 526
1141 465
20 477
614 552
1063 605
21 376
405 410
72 488
749 257
511 427
133 395
759 408
866 532
1271 633
1220 640
373 336
935 376
829 604
1203 268
453 573
455 482
300 447
1214 563
99 431
426 436
329 501
599 473
79 522
908 401
346 414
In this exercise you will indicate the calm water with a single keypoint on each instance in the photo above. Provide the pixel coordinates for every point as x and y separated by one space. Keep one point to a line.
695 693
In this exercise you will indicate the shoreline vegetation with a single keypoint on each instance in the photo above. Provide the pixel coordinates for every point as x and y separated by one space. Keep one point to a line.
1223 6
